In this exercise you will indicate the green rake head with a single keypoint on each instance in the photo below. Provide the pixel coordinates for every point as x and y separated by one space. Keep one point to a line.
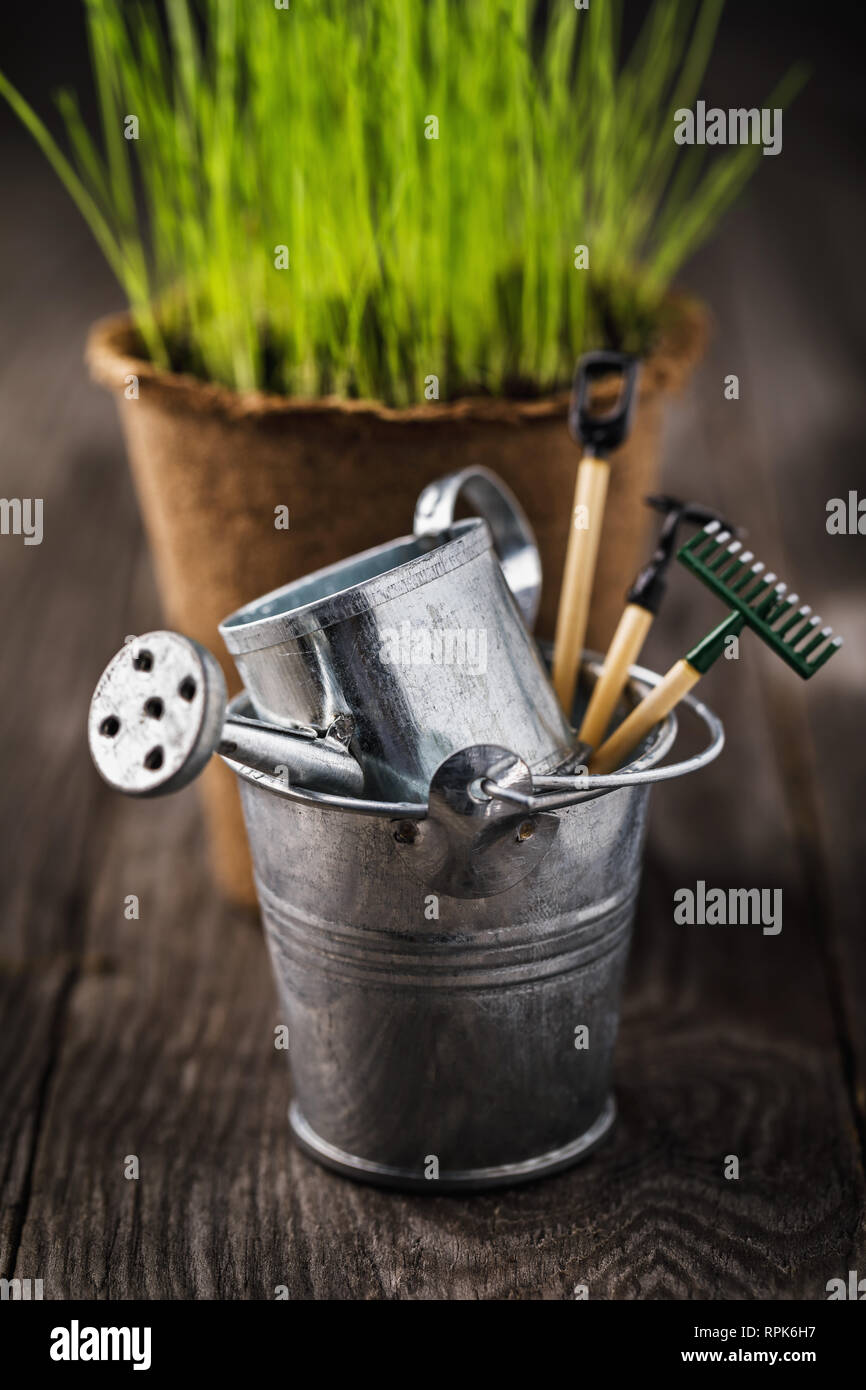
759 600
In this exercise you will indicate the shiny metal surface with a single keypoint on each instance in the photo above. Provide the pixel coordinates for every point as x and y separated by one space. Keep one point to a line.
471 845
297 757
513 537
352 639
473 1180
642 770
555 792
434 1033
158 713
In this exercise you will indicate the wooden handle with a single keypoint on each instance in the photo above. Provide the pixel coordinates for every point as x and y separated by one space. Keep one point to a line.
623 651
659 702
583 537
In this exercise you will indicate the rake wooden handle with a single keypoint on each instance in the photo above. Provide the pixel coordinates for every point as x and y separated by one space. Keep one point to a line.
659 702
589 497
623 651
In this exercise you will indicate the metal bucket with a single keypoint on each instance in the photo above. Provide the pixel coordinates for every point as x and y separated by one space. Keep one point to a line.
449 963
450 972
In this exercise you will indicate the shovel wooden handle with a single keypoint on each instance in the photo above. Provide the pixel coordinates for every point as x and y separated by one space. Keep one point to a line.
623 651
583 538
659 702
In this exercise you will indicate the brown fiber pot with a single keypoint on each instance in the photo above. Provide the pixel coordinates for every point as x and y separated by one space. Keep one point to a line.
210 466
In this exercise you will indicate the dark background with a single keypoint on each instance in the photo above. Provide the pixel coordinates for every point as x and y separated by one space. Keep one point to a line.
155 1037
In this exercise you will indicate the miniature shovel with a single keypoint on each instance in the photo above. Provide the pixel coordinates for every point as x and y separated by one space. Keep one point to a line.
599 434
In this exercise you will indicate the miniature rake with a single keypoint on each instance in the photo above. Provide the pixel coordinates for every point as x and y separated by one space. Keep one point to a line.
756 600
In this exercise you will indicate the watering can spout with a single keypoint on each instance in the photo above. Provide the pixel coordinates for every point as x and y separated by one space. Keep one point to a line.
159 712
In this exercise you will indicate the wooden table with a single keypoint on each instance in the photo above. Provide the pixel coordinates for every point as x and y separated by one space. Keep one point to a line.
154 1036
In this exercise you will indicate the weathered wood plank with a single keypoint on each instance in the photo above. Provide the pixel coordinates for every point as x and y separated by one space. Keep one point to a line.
59 444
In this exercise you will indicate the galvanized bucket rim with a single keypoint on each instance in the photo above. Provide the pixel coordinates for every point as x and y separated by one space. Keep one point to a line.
253 628
640 771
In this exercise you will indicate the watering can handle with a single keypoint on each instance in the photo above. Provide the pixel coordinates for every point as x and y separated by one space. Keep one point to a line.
513 536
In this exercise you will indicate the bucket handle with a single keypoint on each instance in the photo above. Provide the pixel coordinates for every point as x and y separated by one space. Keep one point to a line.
551 793
513 537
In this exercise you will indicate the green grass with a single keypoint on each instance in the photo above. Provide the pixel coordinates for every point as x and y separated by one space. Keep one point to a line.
261 127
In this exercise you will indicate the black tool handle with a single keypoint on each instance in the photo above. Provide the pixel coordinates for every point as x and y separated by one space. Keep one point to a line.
602 433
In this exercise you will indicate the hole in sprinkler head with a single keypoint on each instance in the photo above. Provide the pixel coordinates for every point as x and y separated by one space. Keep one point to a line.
153 761
143 661
186 689
153 707
109 726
